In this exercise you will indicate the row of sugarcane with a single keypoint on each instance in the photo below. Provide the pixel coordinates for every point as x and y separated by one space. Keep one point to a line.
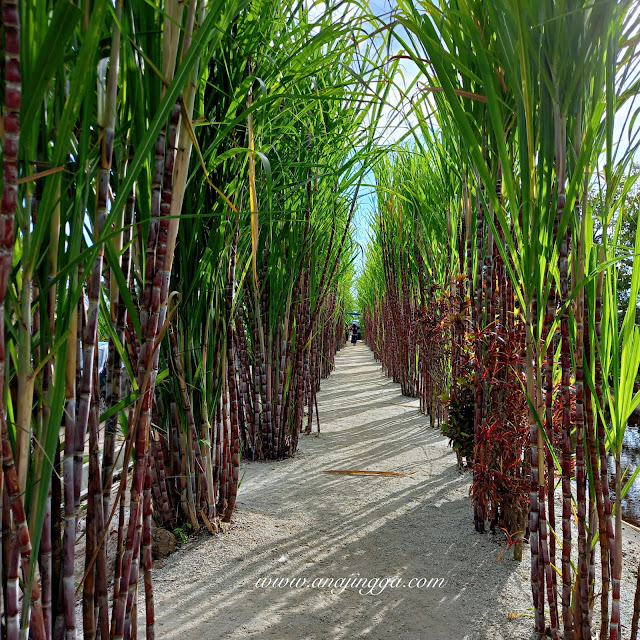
518 211
480 407
178 180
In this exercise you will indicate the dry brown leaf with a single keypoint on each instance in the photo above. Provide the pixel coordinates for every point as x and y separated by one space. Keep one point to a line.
369 473
514 615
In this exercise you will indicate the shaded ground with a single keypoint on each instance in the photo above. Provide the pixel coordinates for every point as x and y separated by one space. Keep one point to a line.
294 521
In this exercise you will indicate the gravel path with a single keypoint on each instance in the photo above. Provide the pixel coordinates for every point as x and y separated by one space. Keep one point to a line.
294 521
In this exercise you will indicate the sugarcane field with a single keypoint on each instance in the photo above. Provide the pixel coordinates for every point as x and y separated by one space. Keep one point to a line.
320 320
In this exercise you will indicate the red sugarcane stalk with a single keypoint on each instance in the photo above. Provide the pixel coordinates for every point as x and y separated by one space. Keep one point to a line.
12 611
244 406
88 385
159 458
225 444
14 497
597 489
217 461
479 516
534 510
121 528
186 401
88 591
231 382
245 394
322 289
130 622
301 330
606 523
13 100
152 318
583 589
150 325
66 593
79 434
310 375
146 554
265 395
46 569
566 431
56 536
288 403
258 422
284 342
92 532
179 459
548 550
116 392
550 431
636 609
95 586
616 557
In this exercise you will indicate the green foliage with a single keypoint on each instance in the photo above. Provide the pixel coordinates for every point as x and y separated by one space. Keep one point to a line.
459 424
183 532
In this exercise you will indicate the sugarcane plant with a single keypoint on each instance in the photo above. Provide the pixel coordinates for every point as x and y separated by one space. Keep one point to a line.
529 94
179 181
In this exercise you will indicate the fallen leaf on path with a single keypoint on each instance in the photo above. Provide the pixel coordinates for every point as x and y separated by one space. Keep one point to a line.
369 473
514 615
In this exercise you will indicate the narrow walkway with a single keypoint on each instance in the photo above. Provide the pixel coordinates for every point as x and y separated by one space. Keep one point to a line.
294 521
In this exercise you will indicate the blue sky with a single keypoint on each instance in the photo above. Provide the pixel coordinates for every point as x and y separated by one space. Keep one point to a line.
396 122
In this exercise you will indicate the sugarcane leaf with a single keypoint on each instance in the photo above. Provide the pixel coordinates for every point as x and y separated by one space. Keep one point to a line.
104 308
78 88
123 290
629 483
209 34
50 444
64 20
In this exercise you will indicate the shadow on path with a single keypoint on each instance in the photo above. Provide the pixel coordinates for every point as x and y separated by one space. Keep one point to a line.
295 521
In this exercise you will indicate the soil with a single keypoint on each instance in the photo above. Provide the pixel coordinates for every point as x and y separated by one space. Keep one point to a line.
293 521
163 543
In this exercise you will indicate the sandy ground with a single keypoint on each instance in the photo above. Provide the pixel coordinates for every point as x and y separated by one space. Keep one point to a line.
294 521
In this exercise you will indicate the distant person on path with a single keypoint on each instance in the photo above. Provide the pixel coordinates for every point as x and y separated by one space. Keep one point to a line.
354 333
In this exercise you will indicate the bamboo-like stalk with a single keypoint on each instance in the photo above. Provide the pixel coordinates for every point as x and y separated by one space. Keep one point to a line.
67 590
46 569
478 514
12 611
547 543
186 401
566 437
149 322
115 390
607 521
146 555
88 590
534 385
579 312
636 609
13 100
231 382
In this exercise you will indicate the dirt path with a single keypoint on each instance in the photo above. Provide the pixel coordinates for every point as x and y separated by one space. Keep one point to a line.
294 521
